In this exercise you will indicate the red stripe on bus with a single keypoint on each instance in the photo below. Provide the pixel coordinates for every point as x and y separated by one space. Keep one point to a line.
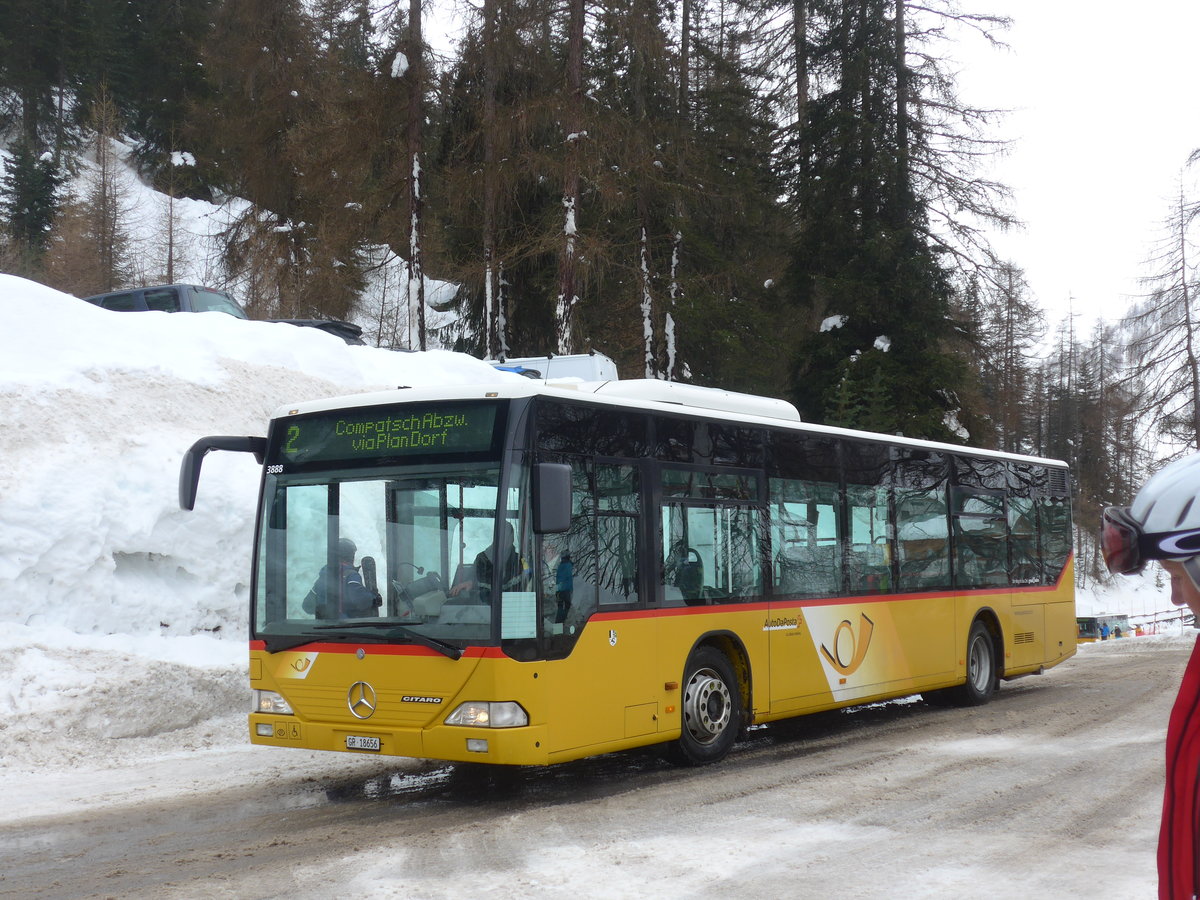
626 615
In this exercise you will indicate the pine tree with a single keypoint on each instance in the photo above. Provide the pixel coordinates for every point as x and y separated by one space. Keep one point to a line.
499 173
863 249
166 80
38 55
731 232
29 203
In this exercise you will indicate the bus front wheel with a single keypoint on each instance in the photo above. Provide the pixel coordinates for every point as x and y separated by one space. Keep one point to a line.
710 709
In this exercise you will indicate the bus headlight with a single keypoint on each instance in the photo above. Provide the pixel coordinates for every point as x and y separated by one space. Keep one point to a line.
271 702
489 715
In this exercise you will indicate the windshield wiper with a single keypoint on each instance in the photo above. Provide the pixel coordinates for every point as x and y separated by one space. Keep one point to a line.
277 643
394 631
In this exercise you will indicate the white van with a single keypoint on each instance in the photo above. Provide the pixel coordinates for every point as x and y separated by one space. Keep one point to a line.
583 366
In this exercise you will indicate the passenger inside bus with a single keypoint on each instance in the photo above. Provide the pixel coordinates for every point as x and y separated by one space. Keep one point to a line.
683 575
506 561
558 579
340 593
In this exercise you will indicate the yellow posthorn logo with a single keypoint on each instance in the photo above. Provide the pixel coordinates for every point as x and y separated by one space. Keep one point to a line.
301 664
848 651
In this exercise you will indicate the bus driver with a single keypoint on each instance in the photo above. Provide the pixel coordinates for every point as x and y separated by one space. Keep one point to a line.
341 594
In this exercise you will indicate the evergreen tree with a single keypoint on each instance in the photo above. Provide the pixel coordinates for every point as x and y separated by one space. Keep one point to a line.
861 250
166 81
29 202
732 232
35 61
499 174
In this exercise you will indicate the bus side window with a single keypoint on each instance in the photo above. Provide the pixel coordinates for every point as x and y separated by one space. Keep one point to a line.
601 545
980 538
806 554
922 531
869 553
618 509
710 554
579 543
1054 517
1023 540
710 537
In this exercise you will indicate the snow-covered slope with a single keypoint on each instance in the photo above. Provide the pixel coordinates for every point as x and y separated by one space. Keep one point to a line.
104 582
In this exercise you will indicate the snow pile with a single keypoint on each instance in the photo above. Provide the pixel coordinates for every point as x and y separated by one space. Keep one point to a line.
105 584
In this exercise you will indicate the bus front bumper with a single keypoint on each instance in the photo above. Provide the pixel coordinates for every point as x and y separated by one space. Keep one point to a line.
526 745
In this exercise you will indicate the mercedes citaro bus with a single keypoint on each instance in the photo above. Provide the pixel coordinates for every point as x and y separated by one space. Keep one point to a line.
562 571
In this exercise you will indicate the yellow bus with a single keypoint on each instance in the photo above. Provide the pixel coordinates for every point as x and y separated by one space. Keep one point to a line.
528 574
1091 628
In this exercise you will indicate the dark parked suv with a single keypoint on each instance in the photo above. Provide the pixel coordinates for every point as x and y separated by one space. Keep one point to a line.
193 298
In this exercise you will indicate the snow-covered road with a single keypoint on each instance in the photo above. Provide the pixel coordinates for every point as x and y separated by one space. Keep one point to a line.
1052 790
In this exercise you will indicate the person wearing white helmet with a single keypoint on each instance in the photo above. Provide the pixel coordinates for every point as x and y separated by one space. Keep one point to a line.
1163 523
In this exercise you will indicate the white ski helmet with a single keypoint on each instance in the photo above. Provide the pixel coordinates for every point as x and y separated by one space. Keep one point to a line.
1163 522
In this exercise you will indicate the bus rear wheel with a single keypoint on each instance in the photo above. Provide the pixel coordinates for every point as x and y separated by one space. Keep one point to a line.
982 673
710 709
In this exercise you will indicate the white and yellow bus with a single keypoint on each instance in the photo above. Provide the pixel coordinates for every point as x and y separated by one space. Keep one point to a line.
558 572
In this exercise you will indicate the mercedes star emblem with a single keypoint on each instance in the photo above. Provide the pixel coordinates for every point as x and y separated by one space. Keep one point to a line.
361 700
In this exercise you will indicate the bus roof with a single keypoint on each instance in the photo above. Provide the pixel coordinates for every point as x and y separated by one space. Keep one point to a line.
643 394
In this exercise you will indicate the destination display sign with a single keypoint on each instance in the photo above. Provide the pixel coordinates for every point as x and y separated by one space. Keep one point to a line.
389 431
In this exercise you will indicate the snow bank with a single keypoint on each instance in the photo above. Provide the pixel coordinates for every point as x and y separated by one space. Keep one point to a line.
105 584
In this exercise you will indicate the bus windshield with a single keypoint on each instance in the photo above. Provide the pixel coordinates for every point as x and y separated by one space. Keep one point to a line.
415 554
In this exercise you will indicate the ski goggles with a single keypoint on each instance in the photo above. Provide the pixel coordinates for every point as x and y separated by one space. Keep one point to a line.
1127 548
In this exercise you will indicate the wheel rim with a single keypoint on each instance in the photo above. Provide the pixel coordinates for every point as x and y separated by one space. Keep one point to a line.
979 664
707 706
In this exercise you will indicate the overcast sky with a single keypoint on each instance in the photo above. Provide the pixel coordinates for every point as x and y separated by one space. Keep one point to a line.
1105 102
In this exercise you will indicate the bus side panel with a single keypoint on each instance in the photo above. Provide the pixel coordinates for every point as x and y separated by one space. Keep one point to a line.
862 650
1025 636
606 687
1060 631
1044 628
1060 618
797 678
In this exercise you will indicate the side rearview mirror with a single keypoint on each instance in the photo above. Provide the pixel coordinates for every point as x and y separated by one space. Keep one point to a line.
189 468
551 498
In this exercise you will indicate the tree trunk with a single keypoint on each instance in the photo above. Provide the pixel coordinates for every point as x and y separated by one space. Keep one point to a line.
685 52
800 38
416 119
1193 366
902 151
490 188
647 301
568 289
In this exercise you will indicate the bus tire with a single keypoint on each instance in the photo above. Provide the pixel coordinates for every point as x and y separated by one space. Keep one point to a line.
710 709
981 668
982 673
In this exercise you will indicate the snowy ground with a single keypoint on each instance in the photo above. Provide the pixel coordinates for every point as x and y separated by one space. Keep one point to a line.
123 619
